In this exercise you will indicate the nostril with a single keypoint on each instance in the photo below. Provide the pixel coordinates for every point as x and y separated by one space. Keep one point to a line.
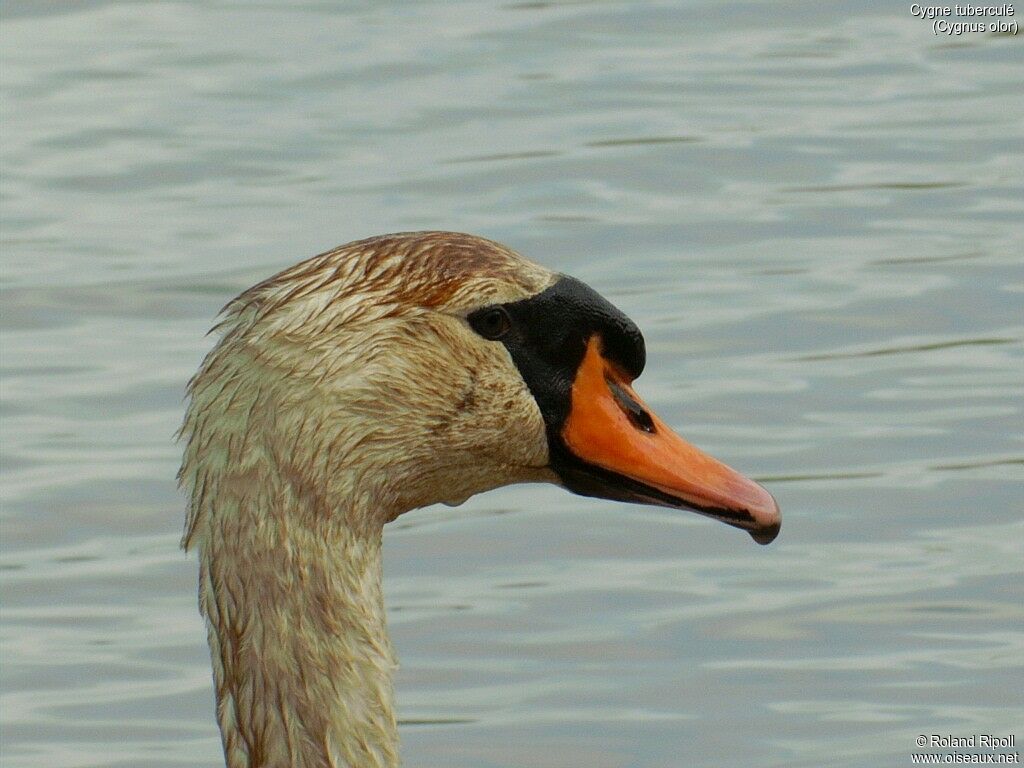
635 412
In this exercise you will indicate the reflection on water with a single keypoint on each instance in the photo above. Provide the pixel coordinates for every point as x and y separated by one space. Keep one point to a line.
814 213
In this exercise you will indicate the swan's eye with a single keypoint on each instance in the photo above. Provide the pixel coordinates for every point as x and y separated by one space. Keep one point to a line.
491 323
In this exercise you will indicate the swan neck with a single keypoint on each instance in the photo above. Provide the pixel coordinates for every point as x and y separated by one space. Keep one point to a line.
302 661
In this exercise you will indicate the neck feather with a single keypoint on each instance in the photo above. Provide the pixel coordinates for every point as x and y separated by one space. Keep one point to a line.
301 656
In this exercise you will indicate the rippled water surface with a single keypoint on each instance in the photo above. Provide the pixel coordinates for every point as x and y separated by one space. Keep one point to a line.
814 211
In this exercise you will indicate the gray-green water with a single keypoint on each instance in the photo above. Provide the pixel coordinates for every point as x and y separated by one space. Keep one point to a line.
814 210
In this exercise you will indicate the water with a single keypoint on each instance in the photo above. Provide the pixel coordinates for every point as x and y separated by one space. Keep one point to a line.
814 211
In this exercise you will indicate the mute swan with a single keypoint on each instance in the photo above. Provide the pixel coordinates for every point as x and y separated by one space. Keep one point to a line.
386 375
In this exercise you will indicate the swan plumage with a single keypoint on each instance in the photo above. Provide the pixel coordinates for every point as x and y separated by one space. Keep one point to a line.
382 376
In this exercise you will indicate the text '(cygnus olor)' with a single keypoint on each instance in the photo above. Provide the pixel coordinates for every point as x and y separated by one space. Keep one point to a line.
382 376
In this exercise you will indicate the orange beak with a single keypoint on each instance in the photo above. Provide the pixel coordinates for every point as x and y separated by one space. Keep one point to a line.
609 427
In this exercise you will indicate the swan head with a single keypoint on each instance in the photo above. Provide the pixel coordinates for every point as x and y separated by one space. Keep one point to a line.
426 367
